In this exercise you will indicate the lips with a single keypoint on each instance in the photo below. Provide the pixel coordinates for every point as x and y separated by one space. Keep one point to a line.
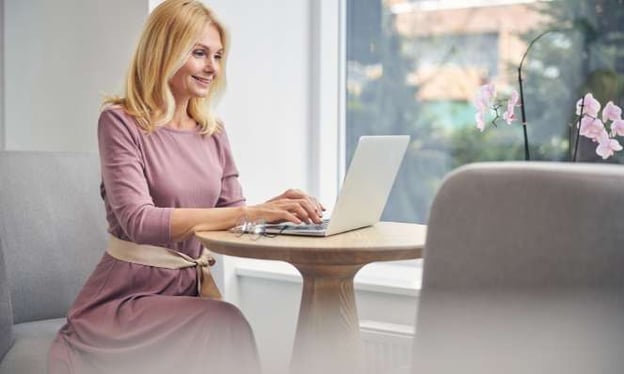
203 80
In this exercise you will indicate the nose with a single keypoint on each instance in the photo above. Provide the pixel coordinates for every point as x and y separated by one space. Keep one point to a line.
210 65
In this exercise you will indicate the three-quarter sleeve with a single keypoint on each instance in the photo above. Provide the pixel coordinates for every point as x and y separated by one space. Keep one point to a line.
125 184
231 190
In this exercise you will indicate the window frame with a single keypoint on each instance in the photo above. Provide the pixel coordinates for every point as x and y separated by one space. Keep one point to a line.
328 99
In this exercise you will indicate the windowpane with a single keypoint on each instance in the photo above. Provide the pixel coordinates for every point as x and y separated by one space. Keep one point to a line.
414 67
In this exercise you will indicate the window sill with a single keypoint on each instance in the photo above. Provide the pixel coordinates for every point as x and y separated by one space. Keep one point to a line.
397 278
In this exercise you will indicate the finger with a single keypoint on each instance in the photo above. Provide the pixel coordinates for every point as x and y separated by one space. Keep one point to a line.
311 208
298 209
290 217
318 208
304 210
318 205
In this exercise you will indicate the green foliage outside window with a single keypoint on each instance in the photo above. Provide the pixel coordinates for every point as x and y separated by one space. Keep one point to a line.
586 55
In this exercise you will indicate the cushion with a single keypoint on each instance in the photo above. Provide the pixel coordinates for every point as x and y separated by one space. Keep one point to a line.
30 349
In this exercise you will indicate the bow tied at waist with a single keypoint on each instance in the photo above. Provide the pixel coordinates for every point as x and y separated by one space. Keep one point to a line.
162 257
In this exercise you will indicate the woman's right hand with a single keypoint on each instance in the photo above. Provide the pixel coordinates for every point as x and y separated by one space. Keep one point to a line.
292 206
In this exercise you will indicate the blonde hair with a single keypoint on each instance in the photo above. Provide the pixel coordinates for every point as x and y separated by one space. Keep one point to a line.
170 33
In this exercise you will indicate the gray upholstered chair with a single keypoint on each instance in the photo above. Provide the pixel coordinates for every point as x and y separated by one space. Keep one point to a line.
524 271
52 233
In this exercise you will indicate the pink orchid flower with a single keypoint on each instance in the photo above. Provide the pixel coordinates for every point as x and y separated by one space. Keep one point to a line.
611 112
617 127
483 102
607 146
485 96
592 128
509 115
479 117
591 106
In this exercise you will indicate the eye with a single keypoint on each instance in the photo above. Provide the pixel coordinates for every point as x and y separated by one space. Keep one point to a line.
199 53
218 56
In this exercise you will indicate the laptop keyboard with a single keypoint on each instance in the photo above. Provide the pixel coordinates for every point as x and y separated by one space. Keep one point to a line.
279 228
313 226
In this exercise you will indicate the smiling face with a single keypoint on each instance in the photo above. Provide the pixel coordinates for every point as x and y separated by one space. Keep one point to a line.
201 68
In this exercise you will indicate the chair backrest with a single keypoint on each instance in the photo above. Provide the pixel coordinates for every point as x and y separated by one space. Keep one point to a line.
52 228
515 250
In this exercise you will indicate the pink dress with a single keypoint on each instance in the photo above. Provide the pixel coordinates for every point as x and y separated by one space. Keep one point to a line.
131 318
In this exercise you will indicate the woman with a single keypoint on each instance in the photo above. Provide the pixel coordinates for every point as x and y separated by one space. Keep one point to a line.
167 171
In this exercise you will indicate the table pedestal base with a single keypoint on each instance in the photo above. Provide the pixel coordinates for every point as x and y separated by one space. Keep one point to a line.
327 339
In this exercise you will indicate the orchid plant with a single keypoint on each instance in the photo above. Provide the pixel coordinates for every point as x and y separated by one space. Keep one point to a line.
589 124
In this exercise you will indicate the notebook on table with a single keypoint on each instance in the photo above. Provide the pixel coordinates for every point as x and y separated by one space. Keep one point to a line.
365 190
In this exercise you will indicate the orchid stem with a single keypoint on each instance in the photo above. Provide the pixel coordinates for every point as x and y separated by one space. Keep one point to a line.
527 156
578 130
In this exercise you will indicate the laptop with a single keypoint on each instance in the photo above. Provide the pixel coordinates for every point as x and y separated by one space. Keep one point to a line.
365 190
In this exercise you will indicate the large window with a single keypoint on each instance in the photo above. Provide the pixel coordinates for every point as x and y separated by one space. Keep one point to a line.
414 67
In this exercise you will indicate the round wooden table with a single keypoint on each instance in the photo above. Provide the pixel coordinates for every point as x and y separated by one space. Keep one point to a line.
327 335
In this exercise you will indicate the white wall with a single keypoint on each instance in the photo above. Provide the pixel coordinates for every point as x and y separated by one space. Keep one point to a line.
60 58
